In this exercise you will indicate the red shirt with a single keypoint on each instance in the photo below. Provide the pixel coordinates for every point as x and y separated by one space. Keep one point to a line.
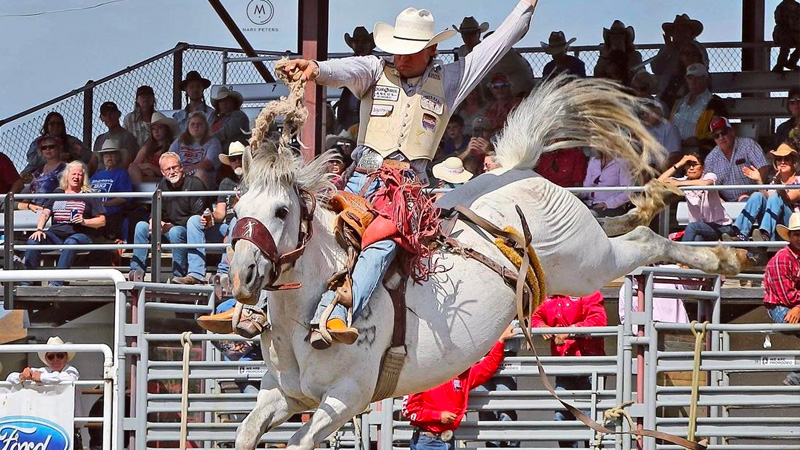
781 278
562 311
8 174
425 408
566 168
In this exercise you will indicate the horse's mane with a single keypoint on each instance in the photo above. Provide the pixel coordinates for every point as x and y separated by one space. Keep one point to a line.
566 112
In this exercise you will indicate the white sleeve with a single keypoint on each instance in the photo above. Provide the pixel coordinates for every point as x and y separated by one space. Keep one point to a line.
357 73
70 373
13 377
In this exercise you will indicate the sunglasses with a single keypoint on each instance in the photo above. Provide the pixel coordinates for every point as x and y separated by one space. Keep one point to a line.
49 147
721 133
784 159
690 164
794 101
53 356
499 85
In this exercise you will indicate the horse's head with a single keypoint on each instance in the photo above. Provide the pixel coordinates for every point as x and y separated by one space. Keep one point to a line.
274 215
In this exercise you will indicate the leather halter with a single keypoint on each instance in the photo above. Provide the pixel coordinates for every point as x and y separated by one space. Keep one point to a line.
252 230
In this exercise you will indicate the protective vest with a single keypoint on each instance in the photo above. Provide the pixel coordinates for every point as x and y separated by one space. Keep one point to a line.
391 120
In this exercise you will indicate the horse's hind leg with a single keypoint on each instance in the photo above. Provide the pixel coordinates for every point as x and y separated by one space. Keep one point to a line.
272 409
657 196
338 406
643 246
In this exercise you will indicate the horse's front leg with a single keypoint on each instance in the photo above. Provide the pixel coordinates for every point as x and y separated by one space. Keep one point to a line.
273 408
339 404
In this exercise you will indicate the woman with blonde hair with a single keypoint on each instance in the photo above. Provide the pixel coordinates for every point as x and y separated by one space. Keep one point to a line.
44 179
75 219
199 150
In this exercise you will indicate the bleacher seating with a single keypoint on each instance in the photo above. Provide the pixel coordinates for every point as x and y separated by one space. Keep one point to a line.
733 209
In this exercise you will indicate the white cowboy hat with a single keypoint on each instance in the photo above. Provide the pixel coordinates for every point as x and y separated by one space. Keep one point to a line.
557 43
794 225
55 340
110 145
171 123
222 93
235 149
452 171
412 32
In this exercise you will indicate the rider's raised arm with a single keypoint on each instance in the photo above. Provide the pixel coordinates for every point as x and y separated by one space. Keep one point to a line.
474 67
356 73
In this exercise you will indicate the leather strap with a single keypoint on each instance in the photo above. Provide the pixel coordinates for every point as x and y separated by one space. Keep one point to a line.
398 297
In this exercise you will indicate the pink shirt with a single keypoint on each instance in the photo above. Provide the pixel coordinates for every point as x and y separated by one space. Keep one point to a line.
615 173
706 206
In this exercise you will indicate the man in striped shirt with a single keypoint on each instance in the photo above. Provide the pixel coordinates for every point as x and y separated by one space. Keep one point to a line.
782 283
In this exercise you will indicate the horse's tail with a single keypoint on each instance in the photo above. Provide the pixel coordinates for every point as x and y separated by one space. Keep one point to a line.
566 112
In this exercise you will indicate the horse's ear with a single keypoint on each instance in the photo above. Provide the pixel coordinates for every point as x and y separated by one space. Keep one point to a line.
247 159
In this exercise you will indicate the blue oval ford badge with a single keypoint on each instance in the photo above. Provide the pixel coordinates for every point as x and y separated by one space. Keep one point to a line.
31 433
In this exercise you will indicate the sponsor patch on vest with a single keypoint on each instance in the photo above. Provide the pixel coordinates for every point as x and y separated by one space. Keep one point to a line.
432 103
381 110
428 122
388 93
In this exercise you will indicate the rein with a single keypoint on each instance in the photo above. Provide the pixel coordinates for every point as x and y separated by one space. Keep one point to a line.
252 230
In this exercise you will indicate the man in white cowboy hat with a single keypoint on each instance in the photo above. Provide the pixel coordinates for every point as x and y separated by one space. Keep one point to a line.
406 102
557 46
231 123
112 178
194 85
782 283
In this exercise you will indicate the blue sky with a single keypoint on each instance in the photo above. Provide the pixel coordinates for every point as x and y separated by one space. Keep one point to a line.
48 55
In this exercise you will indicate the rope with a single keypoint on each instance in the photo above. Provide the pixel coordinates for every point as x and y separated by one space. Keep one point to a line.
699 339
613 415
186 343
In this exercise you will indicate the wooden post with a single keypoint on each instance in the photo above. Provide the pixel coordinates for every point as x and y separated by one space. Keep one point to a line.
177 76
88 115
314 45
753 32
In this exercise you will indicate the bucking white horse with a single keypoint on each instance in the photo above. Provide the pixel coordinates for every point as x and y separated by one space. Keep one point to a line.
454 318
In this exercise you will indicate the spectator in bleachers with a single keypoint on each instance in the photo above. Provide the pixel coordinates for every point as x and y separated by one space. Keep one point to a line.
782 283
451 173
615 67
215 228
618 38
644 84
732 158
336 167
231 124
667 63
708 220
45 177
175 213
470 32
793 103
557 46
675 87
473 107
664 131
692 114
194 85
112 178
770 208
503 101
786 35
199 150
110 115
604 171
347 108
455 140
138 122
562 311
480 145
490 162
10 181
75 220
69 147
565 167
163 131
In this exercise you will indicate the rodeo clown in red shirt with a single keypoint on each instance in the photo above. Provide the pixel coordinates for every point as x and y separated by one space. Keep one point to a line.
437 412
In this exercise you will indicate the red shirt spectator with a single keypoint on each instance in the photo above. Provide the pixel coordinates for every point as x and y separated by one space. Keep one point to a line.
563 311
425 409
782 278
9 177
566 167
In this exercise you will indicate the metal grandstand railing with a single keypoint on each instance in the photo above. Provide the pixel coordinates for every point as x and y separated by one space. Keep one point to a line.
164 71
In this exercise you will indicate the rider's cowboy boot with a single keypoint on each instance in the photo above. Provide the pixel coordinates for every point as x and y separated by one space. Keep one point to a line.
221 323
252 322
339 331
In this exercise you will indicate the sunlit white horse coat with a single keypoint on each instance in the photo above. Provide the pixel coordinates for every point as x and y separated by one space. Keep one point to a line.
454 318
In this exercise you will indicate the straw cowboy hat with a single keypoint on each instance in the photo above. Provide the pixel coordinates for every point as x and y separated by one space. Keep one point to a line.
619 27
161 119
110 145
235 149
469 24
194 76
412 32
223 93
452 171
784 150
683 20
359 34
794 225
55 340
557 43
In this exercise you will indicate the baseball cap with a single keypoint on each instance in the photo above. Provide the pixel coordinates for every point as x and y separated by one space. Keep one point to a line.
144 90
697 70
481 122
719 123
108 107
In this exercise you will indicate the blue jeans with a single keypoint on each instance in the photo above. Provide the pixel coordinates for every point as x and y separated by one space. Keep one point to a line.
702 231
501 383
423 442
768 212
777 212
577 383
66 258
224 265
197 234
175 235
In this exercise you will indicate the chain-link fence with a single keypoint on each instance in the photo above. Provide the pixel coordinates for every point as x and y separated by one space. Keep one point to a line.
83 121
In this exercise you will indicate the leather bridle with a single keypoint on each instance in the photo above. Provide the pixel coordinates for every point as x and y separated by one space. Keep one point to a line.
252 230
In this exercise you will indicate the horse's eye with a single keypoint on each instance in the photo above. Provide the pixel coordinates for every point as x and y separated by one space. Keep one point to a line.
282 212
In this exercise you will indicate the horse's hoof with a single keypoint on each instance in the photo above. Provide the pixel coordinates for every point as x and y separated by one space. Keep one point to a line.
317 341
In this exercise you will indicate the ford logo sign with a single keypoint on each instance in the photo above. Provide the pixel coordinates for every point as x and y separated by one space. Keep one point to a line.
32 433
